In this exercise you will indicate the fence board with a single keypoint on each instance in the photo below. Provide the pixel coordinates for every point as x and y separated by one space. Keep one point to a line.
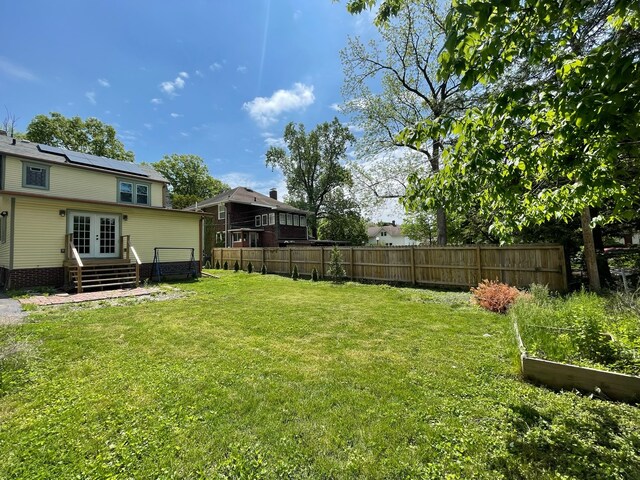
462 266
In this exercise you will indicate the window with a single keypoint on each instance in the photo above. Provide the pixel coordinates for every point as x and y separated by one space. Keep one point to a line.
222 212
265 219
142 194
272 219
296 220
133 192
258 222
289 219
35 176
383 233
219 237
303 221
237 237
283 219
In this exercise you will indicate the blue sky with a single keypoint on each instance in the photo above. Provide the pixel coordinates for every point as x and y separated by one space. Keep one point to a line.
219 79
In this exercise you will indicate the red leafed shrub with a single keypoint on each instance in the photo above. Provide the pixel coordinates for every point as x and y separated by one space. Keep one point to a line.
494 296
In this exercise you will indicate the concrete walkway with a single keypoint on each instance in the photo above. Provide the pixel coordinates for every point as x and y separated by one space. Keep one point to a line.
10 311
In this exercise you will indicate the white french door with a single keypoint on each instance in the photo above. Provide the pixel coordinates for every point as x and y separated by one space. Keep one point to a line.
95 235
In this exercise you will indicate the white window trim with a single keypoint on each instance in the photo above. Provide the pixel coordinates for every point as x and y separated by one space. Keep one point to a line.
265 219
222 212
258 220
134 192
303 220
272 219
282 218
289 219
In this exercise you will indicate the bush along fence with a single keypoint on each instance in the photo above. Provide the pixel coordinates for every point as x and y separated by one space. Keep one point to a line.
463 266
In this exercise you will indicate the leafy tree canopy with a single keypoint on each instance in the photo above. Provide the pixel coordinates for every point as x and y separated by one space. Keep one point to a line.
86 136
312 164
342 220
189 179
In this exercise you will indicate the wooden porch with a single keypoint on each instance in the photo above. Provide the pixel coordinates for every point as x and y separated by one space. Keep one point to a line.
101 273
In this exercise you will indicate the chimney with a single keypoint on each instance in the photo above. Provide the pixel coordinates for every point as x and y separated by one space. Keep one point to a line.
273 193
393 223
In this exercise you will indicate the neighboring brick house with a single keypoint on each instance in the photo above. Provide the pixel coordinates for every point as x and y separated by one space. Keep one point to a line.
245 218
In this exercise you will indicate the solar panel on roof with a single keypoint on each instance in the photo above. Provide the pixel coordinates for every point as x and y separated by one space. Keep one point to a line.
95 161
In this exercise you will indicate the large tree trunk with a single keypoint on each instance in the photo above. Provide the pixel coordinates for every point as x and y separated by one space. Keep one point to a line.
590 251
441 217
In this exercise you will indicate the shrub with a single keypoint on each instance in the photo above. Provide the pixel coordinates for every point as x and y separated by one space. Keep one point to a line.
540 293
314 275
263 270
336 270
217 264
494 296
226 265
249 267
236 266
295 275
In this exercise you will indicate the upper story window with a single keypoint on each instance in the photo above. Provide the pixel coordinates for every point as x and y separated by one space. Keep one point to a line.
222 212
258 221
265 219
133 192
383 233
35 175
296 220
289 219
272 219
283 218
303 221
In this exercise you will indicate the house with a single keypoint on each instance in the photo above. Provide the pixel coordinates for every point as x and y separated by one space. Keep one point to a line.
389 235
246 218
73 219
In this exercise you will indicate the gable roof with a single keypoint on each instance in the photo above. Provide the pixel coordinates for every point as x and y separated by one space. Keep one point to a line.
392 230
44 153
246 196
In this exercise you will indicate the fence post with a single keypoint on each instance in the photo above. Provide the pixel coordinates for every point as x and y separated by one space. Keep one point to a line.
240 258
351 266
413 265
321 262
479 262
290 265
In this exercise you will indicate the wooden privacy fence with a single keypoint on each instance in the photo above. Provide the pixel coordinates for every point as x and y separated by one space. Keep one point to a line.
463 266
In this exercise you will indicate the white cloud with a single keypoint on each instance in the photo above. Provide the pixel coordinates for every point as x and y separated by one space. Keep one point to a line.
297 14
91 96
156 101
178 84
265 110
148 126
215 66
336 106
104 82
199 73
241 69
177 115
272 141
16 71
242 179
184 134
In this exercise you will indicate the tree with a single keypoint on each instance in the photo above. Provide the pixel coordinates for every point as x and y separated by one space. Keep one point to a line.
189 179
342 220
406 63
562 140
312 166
9 123
86 136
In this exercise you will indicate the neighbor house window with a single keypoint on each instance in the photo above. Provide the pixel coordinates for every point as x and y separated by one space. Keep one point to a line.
296 220
237 237
219 237
383 233
265 219
221 212
283 219
303 221
272 219
133 192
258 221
35 176
289 219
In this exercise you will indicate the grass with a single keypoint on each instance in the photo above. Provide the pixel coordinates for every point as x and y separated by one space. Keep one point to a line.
253 376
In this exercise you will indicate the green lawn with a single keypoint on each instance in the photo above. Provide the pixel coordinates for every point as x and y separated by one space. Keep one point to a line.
250 376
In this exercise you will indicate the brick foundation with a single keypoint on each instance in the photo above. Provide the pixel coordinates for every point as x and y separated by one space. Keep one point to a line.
54 276
34 277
